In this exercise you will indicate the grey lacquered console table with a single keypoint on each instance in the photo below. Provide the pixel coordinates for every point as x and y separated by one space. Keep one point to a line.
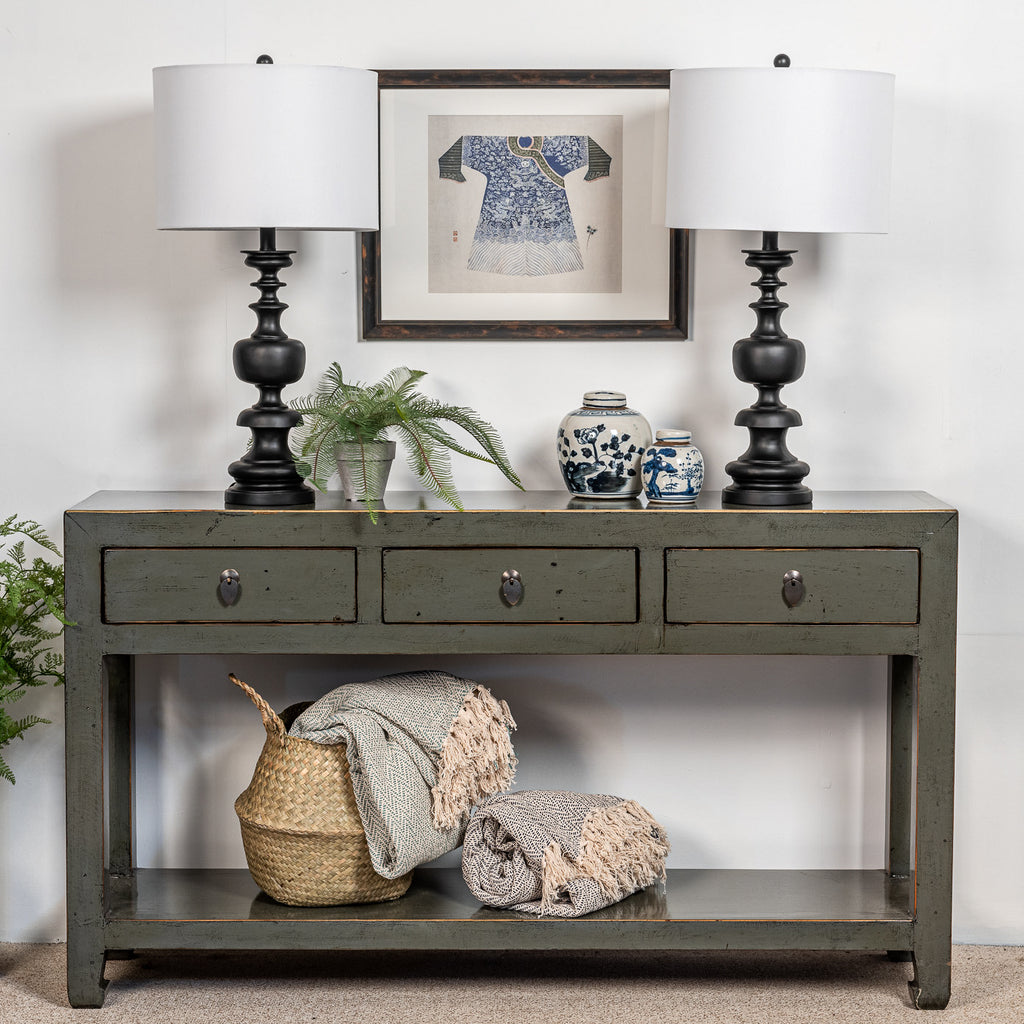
878 575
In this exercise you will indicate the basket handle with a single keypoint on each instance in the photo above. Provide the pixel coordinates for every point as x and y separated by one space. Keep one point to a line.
271 722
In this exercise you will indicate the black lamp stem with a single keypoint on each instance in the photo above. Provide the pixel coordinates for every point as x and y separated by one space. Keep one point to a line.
265 476
767 473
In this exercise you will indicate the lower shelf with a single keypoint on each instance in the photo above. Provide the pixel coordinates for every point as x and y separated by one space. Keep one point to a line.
696 909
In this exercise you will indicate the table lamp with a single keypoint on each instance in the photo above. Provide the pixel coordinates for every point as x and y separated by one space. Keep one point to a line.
259 147
776 149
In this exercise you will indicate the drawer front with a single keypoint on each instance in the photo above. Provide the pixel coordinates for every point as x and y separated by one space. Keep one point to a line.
465 585
274 585
840 585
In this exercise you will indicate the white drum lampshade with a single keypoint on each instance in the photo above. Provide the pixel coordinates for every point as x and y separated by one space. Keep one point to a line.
266 145
780 149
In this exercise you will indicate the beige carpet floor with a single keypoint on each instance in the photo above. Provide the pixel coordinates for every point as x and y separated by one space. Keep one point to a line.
512 987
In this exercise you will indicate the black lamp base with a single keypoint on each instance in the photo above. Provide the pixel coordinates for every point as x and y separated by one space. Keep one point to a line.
762 497
239 497
767 473
266 477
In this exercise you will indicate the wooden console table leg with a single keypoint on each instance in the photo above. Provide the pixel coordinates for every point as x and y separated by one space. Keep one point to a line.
936 697
899 860
86 984
902 679
86 684
934 876
121 697
931 985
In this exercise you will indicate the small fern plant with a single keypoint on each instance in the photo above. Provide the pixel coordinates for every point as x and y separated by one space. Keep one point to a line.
351 412
31 617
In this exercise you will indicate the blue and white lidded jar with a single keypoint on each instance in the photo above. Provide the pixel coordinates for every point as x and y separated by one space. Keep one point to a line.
673 469
600 446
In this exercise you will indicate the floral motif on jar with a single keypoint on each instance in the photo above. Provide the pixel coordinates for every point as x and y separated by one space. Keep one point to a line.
600 446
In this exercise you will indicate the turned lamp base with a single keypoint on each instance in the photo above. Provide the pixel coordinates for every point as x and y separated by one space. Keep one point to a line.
767 473
266 477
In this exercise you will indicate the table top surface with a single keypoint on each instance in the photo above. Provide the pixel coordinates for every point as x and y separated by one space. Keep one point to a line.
512 501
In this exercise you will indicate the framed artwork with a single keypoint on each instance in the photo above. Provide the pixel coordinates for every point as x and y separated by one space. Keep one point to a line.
524 204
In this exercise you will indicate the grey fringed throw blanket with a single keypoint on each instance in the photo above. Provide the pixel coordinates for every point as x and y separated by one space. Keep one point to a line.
423 748
565 854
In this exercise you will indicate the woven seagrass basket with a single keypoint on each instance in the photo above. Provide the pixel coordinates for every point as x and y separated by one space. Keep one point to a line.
303 838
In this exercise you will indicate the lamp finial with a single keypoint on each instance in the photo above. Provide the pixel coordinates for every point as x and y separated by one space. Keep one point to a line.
782 61
264 58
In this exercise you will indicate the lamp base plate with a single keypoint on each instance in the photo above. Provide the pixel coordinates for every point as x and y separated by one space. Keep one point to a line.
753 496
294 497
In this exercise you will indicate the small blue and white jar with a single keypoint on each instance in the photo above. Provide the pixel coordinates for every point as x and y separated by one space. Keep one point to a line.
673 469
600 446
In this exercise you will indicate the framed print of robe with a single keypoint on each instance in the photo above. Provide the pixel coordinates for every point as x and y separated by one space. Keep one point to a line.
524 204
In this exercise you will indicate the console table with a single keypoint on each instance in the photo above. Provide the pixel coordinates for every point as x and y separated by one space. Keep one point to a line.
858 574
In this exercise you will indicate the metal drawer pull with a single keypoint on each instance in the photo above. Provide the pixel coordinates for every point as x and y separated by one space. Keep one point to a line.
793 589
511 587
230 587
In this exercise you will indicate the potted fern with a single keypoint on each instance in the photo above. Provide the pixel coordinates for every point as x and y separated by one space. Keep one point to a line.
346 425
31 595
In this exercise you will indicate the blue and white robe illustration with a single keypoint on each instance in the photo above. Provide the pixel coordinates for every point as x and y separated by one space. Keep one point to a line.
525 227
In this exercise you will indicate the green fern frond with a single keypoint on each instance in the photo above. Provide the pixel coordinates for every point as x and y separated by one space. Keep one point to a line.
14 729
340 411
479 429
399 383
436 431
11 526
31 598
430 461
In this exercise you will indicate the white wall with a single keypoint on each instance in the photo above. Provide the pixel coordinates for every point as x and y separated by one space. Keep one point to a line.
116 372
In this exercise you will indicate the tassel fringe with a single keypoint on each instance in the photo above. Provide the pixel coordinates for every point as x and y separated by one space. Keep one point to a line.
477 760
622 849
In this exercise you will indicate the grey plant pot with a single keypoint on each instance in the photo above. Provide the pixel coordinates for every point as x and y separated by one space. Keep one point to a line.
372 459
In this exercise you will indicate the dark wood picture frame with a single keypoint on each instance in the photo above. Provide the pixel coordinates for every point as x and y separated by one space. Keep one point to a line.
673 326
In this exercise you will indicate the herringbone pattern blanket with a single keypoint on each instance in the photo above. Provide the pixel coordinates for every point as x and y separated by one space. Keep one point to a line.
559 853
423 748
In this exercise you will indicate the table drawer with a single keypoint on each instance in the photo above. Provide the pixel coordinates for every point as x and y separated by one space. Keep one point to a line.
274 584
465 585
841 585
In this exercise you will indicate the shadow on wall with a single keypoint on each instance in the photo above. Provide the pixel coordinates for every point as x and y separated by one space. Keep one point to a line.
148 302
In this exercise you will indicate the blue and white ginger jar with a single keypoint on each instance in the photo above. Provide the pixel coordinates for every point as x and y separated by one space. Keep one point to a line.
673 469
600 446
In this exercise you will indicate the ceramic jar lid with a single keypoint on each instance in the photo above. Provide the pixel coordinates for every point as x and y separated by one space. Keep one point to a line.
605 399
674 434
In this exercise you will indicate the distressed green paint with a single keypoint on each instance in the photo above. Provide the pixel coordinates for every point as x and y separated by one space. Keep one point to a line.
120 715
902 682
142 577
745 585
464 585
936 714
696 909
275 585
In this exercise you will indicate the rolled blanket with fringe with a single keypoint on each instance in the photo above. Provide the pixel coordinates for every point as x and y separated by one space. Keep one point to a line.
558 853
423 749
